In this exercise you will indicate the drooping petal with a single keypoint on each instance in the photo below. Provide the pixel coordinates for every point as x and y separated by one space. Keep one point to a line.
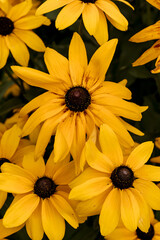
127 3
130 211
110 213
9 142
18 49
69 14
130 128
34 224
90 17
53 223
4 52
30 39
110 145
140 155
15 214
64 209
90 188
96 159
101 33
77 59
150 192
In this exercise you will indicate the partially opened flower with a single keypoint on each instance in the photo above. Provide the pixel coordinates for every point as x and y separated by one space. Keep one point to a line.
16 25
40 197
94 14
78 100
116 188
149 33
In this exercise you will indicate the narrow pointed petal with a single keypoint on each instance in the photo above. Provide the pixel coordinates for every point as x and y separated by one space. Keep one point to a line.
65 210
4 53
101 33
10 141
110 145
130 211
18 49
69 14
90 17
34 224
150 192
15 215
140 155
77 59
96 159
127 3
110 213
130 128
90 188
51 219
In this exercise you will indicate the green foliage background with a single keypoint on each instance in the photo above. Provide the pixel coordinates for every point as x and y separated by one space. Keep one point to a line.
145 86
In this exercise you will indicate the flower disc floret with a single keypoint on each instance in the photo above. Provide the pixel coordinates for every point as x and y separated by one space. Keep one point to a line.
122 177
44 187
77 99
6 26
145 236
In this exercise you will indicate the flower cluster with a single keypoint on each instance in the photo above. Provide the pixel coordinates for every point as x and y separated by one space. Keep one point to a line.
71 148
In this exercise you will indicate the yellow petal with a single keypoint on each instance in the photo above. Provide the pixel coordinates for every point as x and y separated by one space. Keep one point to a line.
65 174
18 49
15 214
140 155
53 223
130 212
110 145
3 197
34 224
127 3
101 33
49 6
148 172
64 209
90 17
4 52
99 64
69 14
150 192
90 189
155 3
5 232
110 213
130 128
30 39
96 159
10 141
77 59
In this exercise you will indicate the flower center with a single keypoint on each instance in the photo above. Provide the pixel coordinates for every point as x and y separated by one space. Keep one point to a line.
6 26
122 177
145 236
44 187
77 99
3 160
89 1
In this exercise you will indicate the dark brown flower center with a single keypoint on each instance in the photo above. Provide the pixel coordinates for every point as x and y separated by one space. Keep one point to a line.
6 26
122 177
145 236
44 187
89 1
3 160
77 99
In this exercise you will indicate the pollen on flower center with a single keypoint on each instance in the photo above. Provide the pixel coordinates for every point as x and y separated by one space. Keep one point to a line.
6 26
44 187
77 99
122 177
145 236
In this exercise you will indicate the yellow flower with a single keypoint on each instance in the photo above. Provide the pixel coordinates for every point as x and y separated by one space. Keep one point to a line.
116 188
5 232
16 24
149 33
155 3
94 14
77 101
121 233
41 197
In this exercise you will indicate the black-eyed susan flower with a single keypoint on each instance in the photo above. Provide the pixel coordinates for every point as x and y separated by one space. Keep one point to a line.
116 188
149 33
16 25
40 196
94 14
122 233
77 101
